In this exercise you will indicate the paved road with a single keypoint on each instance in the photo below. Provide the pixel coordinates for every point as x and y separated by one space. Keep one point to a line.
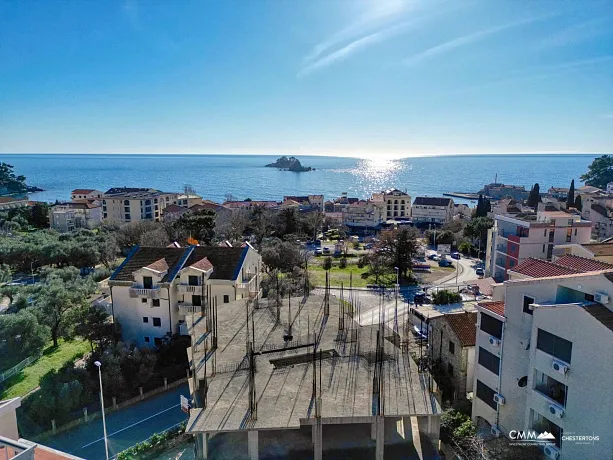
464 270
125 428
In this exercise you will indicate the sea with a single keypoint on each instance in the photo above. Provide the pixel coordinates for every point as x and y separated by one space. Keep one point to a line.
216 177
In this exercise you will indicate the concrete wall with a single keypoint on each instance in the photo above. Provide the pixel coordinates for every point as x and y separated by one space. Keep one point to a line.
8 425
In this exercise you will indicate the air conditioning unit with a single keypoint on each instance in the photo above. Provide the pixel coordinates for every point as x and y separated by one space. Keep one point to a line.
499 399
601 297
495 431
494 341
556 410
559 366
551 452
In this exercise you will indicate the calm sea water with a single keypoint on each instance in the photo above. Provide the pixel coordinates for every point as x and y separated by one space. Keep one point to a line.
244 176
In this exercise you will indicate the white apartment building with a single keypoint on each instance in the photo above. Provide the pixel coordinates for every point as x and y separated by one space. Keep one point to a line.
124 204
364 216
154 289
67 217
397 203
432 210
543 362
85 194
515 238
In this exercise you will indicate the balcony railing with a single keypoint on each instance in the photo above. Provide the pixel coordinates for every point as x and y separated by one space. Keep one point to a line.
186 308
140 291
248 283
188 289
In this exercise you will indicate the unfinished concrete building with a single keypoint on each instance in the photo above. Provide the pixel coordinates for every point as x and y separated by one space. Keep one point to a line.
282 365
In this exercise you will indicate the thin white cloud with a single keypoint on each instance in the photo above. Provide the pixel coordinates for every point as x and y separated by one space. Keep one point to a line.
577 33
355 46
375 17
465 40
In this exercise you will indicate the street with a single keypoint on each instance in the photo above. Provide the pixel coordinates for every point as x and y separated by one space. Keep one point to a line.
125 427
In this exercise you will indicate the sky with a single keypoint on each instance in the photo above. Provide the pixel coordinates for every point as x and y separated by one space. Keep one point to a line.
339 77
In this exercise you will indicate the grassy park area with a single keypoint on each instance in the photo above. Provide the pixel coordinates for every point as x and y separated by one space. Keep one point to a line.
52 358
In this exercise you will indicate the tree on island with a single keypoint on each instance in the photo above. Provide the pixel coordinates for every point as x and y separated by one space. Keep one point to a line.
570 199
600 172
534 198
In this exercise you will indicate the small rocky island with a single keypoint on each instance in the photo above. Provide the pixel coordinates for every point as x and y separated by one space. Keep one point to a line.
289 164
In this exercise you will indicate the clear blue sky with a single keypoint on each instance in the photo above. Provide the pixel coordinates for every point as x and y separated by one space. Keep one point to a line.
339 77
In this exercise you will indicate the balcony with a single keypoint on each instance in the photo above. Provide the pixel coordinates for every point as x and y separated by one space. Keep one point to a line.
551 389
140 291
189 289
187 308
501 248
248 283
183 328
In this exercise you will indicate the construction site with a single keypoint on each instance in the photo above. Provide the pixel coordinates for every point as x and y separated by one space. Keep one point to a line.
304 375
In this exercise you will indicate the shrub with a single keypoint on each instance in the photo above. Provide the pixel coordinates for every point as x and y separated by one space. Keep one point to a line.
327 263
446 297
342 263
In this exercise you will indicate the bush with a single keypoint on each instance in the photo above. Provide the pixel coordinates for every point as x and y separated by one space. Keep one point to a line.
363 261
327 263
465 247
342 263
101 273
141 449
446 297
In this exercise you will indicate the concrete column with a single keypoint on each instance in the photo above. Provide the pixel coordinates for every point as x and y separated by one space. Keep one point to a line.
380 430
114 402
373 429
202 446
140 389
53 425
165 382
85 414
252 444
317 430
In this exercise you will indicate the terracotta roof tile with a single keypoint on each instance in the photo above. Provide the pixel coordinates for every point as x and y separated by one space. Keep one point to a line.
582 264
495 306
159 265
83 191
203 264
464 326
536 268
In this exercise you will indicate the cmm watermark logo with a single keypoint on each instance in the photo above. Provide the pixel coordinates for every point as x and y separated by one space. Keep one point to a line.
532 437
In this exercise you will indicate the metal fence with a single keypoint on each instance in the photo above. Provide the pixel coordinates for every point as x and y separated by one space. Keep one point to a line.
18 368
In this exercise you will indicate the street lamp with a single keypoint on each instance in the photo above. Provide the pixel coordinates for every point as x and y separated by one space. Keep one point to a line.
397 283
106 443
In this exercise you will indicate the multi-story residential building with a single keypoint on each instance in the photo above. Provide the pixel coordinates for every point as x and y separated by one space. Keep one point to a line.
461 211
559 193
397 204
154 288
85 194
432 210
451 346
565 265
544 362
9 202
249 204
364 216
123 204
515 238
187 201
66 217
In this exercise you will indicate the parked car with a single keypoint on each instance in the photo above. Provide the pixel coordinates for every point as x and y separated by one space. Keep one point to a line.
326 250
317 252
419 297
433 257
444 263
455 255
368 246
317 242
480 272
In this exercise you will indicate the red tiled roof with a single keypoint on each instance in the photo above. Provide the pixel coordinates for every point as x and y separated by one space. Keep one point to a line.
202 264
159 265
536 268
83 191
464 326
10 199
582 264
495 306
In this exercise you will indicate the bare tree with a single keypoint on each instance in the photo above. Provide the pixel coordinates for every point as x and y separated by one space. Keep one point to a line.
232 226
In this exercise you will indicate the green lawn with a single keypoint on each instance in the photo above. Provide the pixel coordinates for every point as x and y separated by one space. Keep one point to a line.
317 276
53 358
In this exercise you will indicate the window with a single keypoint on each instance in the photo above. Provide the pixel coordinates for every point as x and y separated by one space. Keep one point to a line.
527 302
126 202
157 322
451 347
575 232
192 280
523 381
491 326
157 341
554 345
543 248
545 232
147 282
143 300
155 302
126 209
147 339
569 234
197 301
450 369
226 298
488 360
145 319
550 387
486 394
127 217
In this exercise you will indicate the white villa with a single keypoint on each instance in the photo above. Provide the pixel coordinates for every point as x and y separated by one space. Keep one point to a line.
155 288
